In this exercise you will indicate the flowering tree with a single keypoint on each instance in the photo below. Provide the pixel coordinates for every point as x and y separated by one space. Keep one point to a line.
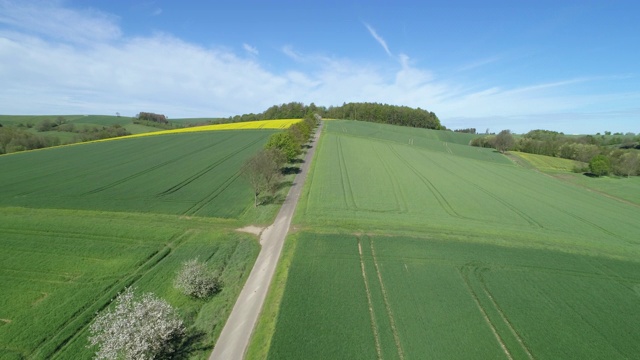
194 279
137 327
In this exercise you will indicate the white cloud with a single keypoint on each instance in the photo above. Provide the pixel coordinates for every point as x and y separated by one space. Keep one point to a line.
63 73
250 49
379 39
49 19
156 12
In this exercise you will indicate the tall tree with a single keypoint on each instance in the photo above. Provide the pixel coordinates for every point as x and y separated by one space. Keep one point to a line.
503 141
263 171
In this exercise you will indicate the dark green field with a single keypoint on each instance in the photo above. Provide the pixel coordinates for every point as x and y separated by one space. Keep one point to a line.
413 246
182 174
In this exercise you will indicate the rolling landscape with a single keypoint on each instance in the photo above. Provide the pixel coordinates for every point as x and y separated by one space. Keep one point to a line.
406 243
317 180
410 245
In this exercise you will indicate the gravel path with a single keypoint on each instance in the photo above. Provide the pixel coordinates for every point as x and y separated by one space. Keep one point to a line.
234 338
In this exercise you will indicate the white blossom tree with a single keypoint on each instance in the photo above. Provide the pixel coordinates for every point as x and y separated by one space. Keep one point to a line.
137 327
196 280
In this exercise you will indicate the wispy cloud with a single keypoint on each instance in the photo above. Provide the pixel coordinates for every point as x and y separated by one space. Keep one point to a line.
250 49
290 52
48 19
479 63
379 39
156 12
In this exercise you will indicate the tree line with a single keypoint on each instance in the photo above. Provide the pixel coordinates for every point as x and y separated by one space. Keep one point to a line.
616 154
264 171
371 112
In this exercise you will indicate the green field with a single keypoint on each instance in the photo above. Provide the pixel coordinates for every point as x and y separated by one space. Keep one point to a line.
182 174
411 251
80 223
549 163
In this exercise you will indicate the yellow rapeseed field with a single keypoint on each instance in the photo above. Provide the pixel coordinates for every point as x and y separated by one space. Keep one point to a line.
248 125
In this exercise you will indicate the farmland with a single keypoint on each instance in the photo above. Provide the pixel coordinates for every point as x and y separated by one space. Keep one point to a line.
182 174
414 245
80 223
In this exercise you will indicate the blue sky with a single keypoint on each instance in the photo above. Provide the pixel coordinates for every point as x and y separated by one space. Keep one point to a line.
570 66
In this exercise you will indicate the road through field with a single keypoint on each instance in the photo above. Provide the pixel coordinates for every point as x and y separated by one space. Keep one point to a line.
235 335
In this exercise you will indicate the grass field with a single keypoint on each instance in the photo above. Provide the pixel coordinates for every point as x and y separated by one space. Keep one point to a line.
411 251
80 223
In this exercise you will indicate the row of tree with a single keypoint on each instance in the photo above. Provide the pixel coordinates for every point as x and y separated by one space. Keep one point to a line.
372 112
604 154
265 170
13 139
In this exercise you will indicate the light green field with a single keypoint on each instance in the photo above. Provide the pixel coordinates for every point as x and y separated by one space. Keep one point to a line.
549 163
80 223
61 266
409 251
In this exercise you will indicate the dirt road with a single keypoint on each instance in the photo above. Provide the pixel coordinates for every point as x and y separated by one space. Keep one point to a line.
234 339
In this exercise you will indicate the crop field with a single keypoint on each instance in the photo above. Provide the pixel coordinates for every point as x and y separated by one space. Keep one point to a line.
182 174
549 163
279 124
80 223
412 251
61 266
367 297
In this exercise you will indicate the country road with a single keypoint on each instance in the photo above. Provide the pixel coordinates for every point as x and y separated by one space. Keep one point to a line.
234 338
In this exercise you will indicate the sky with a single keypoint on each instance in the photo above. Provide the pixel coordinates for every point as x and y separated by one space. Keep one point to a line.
569 66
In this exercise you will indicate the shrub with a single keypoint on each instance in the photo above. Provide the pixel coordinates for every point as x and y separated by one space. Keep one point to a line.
144 327
600 165
196 280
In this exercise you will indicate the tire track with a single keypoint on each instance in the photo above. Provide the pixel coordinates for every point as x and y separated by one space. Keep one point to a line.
193 210
502 315
392 321
154 167
207 169
346 181
465 277
372 314
104 300
515 210
446 206
401 200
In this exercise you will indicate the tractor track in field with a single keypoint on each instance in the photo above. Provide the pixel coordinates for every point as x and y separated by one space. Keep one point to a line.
144 267
401 200
346 181
514 209
206 170
153 168
501 313
474 296
372 315
392 321
444 203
